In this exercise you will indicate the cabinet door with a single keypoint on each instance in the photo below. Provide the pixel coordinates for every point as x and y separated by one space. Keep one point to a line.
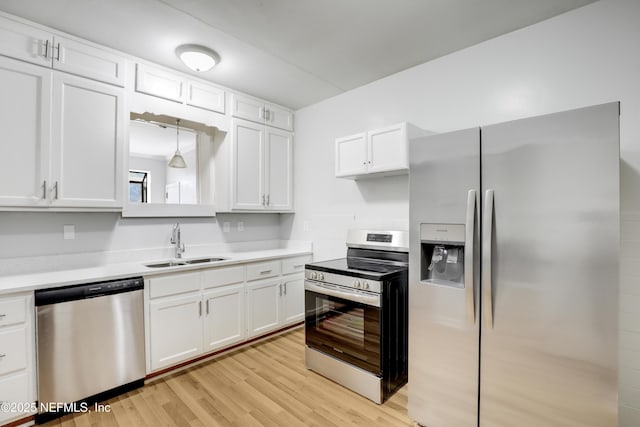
224 317
25 111
292 300
351 155
175 326
279 170
388 149
88 61
278 117
87 143
263 307
247 177
21 41
205 96
160 83
247 108
15 389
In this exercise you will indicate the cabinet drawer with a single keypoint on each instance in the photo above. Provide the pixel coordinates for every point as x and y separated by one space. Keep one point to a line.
174 284
262 270
15 389
13 311
295 264
13 350
223 276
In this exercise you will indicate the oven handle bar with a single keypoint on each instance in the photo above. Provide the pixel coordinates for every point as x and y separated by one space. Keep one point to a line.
372 300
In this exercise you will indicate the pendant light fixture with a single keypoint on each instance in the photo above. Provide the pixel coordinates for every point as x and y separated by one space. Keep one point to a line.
177 161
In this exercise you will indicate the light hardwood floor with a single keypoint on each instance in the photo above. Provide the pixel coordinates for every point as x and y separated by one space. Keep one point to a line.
265 384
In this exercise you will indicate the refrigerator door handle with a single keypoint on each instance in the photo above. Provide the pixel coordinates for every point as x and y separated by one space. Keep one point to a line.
487 232
469 246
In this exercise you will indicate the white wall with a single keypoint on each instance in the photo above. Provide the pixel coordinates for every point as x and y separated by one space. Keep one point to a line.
585 57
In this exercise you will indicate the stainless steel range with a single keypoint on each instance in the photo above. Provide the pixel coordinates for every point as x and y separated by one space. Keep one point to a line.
356 314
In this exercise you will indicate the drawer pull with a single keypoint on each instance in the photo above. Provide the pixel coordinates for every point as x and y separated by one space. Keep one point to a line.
266 271
2 315
298 266
2 356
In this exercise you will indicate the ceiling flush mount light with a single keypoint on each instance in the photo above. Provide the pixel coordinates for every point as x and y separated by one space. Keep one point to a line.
196 57
177 161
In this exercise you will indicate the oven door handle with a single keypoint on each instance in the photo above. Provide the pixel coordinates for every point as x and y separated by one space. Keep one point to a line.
372 300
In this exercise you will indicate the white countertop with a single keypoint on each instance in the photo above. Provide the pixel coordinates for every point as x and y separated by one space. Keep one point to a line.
109 271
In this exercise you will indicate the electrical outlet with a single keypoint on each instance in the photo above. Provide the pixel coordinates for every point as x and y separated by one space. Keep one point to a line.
240 226
69 231
306 225
226 226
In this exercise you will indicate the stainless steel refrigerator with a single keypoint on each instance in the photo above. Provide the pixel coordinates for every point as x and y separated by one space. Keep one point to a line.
513 273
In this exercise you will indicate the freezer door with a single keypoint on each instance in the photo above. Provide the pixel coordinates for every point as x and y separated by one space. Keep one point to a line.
444 317
550 270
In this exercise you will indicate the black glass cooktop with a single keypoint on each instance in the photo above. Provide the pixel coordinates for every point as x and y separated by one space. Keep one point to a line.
357 267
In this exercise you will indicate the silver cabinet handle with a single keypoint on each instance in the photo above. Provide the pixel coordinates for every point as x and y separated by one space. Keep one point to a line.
469 247
265 271
267 200
2 356
46 48
267 114
487 241
200 308
280 288
285 288
55 190
207 307
58 55
2 315
263 200
44 189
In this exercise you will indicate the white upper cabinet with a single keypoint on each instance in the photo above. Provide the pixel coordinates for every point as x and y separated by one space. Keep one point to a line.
157 82
26 133
87 143
29 43
377 152
351 155
62 154
205 96
258 111
261 168
177 87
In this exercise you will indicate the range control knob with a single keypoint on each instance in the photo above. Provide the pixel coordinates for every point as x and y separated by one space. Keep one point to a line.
365 285
356 283
314 275
320 276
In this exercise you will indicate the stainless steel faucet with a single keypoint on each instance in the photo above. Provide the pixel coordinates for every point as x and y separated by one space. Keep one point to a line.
175 240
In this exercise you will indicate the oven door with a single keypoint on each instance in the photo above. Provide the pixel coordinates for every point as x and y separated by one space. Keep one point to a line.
344 323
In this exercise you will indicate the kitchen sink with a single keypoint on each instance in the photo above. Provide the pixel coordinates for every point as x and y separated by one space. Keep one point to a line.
176 263
166 264
201 260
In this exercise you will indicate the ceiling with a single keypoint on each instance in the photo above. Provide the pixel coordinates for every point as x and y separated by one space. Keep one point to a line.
292 52
153 140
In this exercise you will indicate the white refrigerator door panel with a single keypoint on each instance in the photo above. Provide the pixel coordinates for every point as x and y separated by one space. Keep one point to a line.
443 340
549 352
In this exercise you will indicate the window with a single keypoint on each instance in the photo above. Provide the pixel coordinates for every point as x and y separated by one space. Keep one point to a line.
138 186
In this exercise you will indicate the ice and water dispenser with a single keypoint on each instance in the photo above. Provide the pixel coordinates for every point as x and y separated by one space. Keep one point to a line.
442 254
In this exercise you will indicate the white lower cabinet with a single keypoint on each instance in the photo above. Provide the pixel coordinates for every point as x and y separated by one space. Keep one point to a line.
198 312
225 317
175 324
17 356
293 301
263 306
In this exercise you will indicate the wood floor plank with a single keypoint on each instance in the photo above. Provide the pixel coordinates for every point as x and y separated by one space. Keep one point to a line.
265 384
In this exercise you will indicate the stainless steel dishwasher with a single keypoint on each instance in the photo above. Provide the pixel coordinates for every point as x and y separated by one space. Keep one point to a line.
90 343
